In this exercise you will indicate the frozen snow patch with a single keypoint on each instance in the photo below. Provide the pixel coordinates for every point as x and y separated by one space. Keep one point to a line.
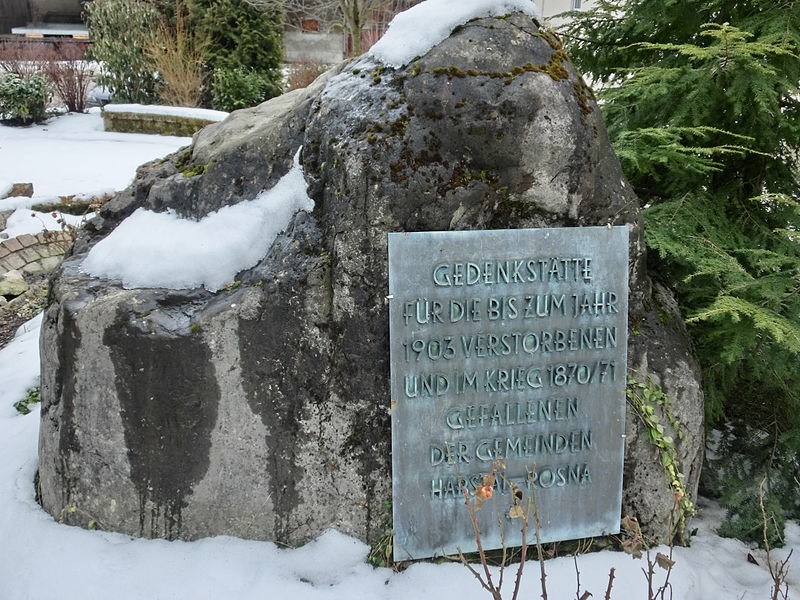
168 111
15 202
164 250
415 31
330 559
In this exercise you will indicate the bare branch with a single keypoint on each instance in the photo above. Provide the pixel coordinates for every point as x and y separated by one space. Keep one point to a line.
610 584
539 550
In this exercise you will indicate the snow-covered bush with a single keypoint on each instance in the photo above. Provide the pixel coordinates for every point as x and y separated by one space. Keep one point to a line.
24 99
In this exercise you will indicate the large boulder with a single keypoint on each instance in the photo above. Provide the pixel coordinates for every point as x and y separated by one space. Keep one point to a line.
261 410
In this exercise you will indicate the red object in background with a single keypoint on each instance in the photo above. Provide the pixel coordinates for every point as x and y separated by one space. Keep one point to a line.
12 45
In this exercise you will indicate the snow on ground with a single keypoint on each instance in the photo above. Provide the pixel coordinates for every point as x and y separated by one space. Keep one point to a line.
24 220
41 559
415 31
151 249
19 366
72 154
171 111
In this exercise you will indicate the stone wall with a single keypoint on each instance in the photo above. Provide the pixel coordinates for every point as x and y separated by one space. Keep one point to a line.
130 122
31 254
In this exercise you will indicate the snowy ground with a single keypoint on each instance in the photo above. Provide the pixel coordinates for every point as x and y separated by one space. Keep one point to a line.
71 154
41 559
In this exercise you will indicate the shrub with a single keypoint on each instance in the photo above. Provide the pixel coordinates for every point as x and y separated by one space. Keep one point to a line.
240 35
177 54
24 99
746 521
244 49
754 481
703 113
70 76
234 88
121 30
62 64
24 58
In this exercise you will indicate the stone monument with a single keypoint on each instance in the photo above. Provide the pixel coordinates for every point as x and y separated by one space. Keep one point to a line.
262 409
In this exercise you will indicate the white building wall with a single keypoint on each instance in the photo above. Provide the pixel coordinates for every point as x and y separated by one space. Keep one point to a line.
549 8
311 46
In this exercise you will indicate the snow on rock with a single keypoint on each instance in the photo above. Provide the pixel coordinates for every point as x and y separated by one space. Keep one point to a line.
415 31
164 250
168 111
5 188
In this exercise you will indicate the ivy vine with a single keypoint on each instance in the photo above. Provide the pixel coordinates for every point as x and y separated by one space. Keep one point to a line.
644 397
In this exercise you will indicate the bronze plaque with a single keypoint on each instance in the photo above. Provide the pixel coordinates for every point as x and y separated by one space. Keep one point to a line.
506 345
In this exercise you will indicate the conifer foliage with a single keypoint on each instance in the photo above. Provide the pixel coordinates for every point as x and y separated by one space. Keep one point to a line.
243 52
176 51
702 105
